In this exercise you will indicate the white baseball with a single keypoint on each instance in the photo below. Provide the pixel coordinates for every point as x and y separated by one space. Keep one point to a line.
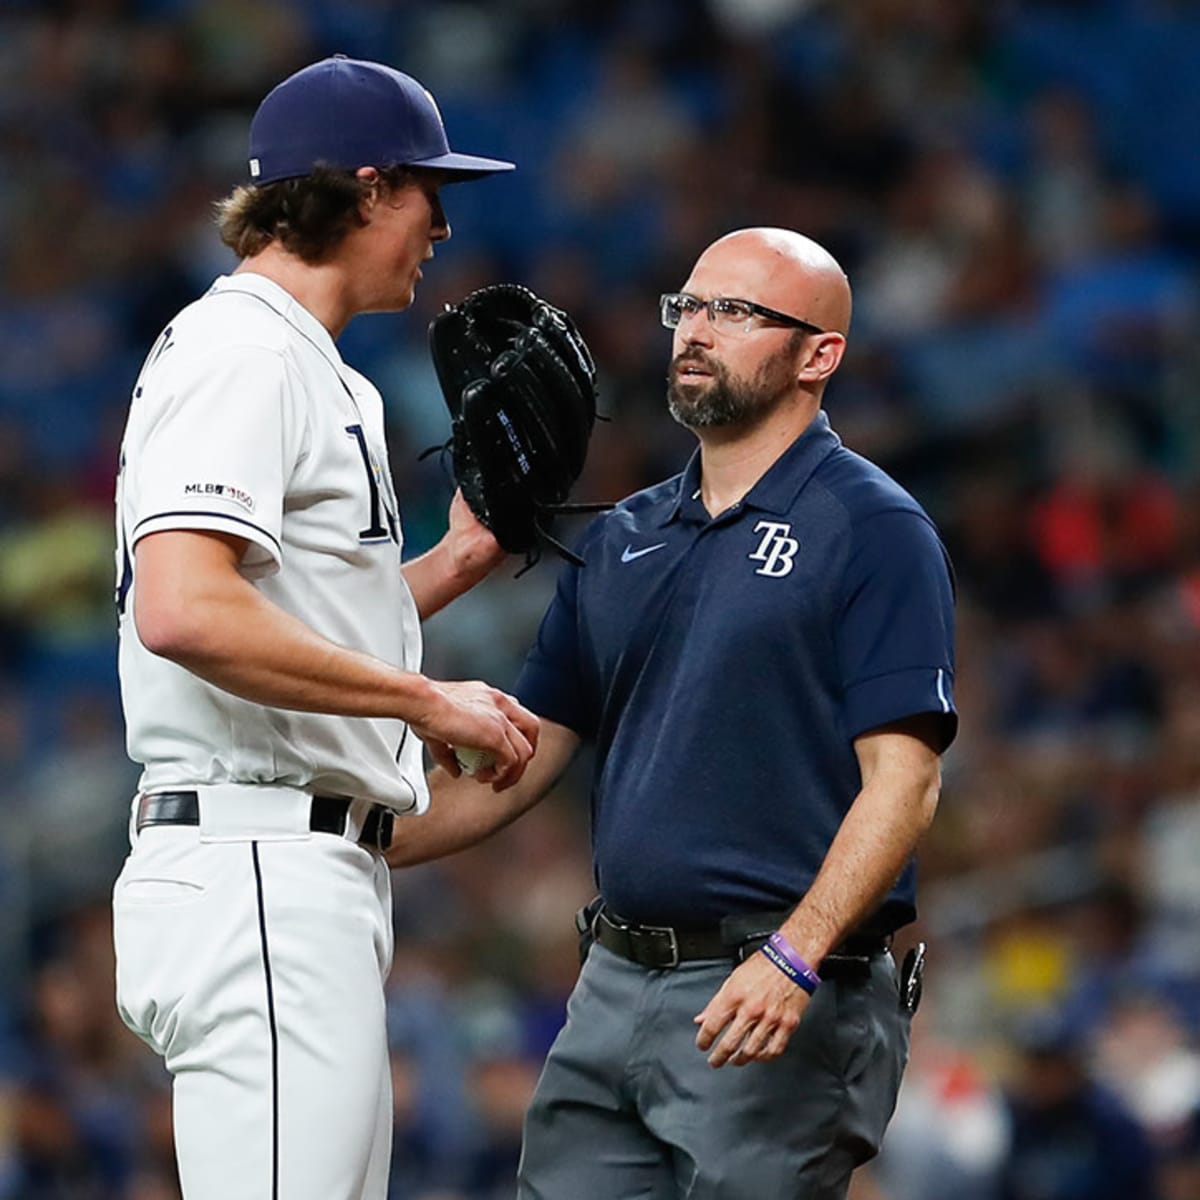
473 761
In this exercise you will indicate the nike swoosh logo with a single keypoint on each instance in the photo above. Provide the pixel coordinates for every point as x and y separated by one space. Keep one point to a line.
629 553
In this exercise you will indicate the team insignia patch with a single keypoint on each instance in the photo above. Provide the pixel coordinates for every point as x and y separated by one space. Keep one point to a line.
776 551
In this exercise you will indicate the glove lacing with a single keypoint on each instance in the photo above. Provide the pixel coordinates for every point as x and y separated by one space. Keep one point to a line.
534 554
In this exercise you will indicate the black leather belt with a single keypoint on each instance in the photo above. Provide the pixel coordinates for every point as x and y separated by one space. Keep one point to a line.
328 814
660 947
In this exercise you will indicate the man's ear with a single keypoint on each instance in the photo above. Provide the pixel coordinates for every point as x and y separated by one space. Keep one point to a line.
820 357
372 186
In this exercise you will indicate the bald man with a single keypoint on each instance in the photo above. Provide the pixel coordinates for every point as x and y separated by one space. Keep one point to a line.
761 650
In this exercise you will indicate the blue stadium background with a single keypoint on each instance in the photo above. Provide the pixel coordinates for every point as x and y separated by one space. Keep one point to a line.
1014 188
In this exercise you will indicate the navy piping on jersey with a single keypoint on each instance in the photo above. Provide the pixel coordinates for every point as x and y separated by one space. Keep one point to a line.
199 512
403 741
266 955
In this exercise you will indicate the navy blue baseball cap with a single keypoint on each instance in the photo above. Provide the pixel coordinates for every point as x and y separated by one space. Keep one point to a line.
349 113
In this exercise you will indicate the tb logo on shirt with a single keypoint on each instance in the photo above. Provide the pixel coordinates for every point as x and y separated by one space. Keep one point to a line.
776 551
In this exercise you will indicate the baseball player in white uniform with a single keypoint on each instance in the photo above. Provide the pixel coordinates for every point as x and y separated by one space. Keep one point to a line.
270 653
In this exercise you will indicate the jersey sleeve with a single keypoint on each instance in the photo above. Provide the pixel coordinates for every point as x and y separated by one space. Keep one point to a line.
552 682
220 439
896 632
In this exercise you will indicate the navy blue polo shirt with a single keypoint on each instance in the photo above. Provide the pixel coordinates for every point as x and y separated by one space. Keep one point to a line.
723 666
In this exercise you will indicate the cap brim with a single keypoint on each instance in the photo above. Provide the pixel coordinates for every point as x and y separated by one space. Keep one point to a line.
464 166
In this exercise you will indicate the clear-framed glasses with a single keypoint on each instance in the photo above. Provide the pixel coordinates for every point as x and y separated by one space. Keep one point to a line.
726 313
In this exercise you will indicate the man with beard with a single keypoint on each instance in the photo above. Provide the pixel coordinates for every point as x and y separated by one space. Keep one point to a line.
761 649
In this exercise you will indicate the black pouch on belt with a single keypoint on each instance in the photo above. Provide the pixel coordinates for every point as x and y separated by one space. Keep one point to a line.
585 923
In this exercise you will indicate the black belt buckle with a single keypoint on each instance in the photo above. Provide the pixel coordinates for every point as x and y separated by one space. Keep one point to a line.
911 975
378 827
655 947
657 931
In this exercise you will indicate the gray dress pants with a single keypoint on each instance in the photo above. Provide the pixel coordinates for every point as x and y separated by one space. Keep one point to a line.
627 1106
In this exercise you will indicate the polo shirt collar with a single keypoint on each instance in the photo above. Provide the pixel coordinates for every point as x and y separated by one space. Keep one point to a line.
777 490
686 487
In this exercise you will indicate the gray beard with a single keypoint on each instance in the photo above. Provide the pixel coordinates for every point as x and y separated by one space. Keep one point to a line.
723 401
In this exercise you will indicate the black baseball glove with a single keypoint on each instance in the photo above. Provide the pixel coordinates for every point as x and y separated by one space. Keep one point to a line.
520 385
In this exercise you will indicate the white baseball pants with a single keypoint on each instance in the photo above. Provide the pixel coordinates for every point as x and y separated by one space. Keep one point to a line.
251 954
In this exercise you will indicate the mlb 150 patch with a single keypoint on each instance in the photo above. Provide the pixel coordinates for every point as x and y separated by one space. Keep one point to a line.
221 491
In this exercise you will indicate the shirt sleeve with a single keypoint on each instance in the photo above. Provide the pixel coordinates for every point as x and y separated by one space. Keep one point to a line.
220 441
896 633
552 682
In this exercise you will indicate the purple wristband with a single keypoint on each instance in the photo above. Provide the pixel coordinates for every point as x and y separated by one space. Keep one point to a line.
782 953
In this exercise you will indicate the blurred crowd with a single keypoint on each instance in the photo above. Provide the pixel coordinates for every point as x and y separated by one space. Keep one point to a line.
1013 188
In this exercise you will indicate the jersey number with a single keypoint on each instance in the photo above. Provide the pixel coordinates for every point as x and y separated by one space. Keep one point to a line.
376 531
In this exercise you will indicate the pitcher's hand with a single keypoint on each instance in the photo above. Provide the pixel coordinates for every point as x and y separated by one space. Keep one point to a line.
476 715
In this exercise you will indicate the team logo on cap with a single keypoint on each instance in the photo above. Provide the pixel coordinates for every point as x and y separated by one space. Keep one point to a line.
255 168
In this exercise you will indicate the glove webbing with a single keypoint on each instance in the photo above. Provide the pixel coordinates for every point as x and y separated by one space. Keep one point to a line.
534 554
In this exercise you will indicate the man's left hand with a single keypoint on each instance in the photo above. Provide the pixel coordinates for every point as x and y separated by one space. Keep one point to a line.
758 1008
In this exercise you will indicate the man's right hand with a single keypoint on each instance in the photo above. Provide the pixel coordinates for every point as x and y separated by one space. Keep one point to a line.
481 717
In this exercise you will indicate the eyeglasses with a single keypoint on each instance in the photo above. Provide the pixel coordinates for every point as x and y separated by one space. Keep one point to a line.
725 313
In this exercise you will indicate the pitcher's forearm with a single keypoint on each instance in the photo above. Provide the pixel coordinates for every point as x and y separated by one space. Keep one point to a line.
463 812
193 607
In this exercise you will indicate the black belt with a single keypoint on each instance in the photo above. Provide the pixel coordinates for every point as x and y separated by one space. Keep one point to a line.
328 814
660 947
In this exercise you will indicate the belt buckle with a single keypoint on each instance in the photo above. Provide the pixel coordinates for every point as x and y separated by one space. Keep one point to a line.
378 827
384 828
387 824
672 942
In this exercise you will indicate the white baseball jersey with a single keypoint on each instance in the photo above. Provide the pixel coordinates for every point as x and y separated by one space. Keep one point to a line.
245 420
